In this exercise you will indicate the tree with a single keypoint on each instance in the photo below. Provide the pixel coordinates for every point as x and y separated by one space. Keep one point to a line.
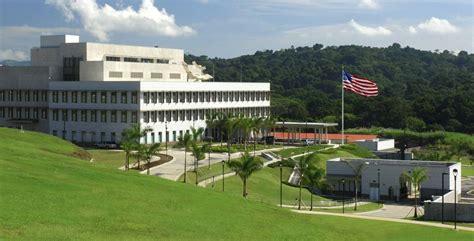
416 177
147 153
199 153
229 124
131 138
257 124
244 167
245 125
128 147
186 141
304 164
357 171
314 177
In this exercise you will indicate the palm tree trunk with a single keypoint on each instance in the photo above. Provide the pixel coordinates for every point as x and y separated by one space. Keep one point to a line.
299 199
245 188
138 163
254 146
185 164
355 200
311 208
148 167
126 161
416 214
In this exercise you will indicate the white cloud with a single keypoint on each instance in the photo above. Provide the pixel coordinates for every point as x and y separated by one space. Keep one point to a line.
13 55
100 21
437 26
412 30
370 4
370 31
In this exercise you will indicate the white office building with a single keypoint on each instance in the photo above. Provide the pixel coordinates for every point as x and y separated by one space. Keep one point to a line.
89 92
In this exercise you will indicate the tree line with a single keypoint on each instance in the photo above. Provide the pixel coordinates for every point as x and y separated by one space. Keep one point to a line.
420 90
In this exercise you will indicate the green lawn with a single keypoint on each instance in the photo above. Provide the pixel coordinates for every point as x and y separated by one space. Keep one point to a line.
467 171
240 147
47 193
287 152
109 158
361 208
204 172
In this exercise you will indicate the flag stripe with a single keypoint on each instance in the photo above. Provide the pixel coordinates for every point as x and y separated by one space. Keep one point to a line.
359 85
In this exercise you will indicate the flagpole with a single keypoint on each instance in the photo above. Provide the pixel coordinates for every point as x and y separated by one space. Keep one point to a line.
342 106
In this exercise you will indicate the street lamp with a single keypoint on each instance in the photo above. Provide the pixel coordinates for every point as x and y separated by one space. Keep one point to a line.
455 172
223 163
281 184
166 137
343 192
442 196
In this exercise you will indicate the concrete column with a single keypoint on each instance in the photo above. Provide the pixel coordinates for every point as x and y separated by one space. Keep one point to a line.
314 137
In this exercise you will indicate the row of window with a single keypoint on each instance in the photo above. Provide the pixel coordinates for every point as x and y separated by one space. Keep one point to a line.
139 75
103 97
136 60
207 96
95 116
23 113
91 136
192 115
24 95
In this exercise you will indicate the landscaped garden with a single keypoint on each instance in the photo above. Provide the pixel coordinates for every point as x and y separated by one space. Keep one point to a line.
50 191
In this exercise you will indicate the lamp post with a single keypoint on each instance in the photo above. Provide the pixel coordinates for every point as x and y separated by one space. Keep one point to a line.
209 153
166 137
442 196
281 184
378 184
455 172
223 163
343 193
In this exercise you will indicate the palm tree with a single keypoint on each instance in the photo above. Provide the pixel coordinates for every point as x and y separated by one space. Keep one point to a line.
133 135
245 125
128 147
147 153
357 171
199 154
304 164
314 179
244 167
416 177
257 124
185 141
229 124
269 124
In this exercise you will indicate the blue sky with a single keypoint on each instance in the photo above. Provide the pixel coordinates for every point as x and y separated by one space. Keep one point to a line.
230 28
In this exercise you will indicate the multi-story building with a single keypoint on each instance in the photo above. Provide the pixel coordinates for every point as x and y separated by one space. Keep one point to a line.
89 92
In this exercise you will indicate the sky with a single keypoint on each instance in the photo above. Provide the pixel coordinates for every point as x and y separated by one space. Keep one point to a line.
231 28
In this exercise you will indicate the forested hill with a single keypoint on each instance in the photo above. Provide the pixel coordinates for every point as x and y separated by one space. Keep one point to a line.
418 89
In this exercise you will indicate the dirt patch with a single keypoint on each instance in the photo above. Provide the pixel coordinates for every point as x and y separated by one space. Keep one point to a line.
163 159
82 154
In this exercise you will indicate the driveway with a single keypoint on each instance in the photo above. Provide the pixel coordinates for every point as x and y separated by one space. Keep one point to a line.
393 210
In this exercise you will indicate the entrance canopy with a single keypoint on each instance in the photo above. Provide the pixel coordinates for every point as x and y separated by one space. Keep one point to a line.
293 131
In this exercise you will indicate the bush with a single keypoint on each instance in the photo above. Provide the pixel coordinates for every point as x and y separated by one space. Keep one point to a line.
222 149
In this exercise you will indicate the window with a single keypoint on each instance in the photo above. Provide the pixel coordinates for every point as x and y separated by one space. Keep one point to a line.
93 97
74 115
146 98
115 74
123 98
102 137
146 118
18 95
44 95
55 115
175 97
161 97
74 96
2 112
27 95
113 137
83 115
153 137
156 75
168 97
103 97
64 115
35 113
93 116
55 133
2 95
113 116
55 96
163 61
113 97
128 59
44 113
136 75
153 97
10 95
175 76
161 116
103 116
73 135
83 97
112 58
134 117
92 133
153 116
83 136
181 97
146 60
64 97
134 97
9 112
123 117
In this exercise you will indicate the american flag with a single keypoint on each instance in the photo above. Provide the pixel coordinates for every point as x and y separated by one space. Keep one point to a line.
359 85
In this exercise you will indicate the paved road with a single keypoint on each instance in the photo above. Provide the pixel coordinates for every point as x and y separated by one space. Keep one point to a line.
174 169
394 211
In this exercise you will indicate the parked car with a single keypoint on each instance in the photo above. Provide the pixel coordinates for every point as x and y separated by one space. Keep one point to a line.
106 145
308 142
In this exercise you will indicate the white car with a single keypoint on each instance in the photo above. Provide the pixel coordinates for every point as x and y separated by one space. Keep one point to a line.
308 142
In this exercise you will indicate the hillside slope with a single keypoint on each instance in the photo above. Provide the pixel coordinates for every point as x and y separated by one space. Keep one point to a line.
46 193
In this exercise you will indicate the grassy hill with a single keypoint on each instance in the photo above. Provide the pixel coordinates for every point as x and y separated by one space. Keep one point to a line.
47 192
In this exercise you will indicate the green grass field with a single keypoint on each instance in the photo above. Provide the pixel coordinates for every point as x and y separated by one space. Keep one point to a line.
287 152
48 193
109 158
467 171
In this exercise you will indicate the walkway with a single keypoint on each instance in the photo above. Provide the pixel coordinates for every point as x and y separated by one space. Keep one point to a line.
433 224
393 211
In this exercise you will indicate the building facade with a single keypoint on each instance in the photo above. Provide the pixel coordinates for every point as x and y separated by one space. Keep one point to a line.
89 92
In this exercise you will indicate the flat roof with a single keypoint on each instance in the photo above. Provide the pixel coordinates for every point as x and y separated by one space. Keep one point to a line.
397 162
305 124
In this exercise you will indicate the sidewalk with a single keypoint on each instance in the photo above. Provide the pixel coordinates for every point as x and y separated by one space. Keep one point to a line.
439 225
